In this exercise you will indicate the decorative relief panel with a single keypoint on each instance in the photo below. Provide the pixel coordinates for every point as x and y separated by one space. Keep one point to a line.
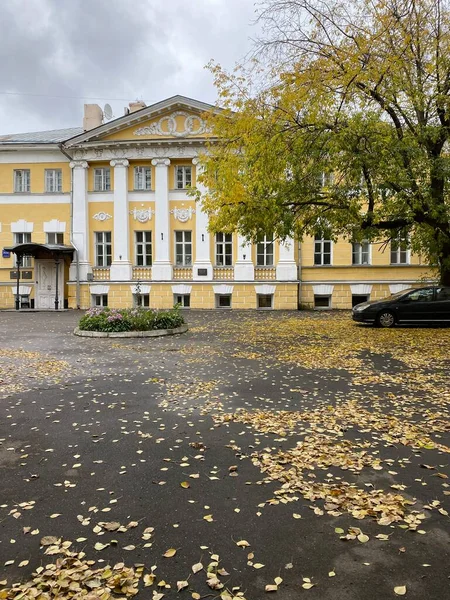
182 214
81 155
167 125
102 216
142 214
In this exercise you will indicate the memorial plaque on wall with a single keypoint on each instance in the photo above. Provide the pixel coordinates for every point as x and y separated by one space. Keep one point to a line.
202 272
23 274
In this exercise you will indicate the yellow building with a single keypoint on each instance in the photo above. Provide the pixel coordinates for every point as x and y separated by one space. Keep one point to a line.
101 215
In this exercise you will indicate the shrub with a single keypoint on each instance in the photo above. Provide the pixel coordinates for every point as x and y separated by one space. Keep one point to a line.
135 319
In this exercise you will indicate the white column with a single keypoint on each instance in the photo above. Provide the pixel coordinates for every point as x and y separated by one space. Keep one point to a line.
80 222
121 267
162 267
202 262
243 268
286 268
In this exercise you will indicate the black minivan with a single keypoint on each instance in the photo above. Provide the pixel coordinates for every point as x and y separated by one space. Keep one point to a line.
429 304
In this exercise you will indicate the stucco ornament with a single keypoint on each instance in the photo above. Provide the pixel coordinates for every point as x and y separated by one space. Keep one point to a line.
167 125
102 216
142 214
182 214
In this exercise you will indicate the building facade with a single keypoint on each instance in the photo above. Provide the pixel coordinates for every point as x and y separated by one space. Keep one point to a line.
101 216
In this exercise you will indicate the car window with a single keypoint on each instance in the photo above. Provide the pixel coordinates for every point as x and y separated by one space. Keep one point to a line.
443 293
421 295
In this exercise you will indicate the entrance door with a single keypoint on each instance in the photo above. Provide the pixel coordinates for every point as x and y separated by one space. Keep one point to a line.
46 284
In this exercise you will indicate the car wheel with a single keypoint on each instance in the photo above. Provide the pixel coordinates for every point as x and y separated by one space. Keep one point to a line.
385 319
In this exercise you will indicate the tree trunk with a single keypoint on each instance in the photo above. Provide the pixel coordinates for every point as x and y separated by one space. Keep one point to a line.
445 265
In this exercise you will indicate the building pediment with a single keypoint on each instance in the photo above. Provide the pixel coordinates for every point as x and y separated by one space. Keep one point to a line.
176 118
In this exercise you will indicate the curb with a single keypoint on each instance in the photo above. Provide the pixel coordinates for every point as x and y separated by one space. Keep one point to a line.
130 334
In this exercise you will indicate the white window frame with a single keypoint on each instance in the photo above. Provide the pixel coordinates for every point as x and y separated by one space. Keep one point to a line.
102 179
327 179
22 181
143 258
53 181
359 249
142 178
101 242
218 299
258 296
319 250
23 237
182 241
222 257
141 300
99 300
183 299
54 237
264 258
322 296
185 181
397 251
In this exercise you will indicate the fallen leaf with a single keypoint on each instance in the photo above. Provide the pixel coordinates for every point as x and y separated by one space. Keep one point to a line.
170 552
400 590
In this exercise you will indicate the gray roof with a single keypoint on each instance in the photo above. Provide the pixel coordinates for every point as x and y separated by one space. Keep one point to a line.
54 136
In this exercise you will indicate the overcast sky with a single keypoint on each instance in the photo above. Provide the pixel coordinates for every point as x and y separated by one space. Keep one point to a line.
113 50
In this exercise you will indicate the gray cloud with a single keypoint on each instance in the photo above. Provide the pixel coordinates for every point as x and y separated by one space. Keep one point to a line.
111 49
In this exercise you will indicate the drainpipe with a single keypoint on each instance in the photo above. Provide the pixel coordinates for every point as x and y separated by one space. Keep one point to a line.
299 267
77 259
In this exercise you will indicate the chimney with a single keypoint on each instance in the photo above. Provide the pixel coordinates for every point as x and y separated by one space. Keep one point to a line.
93 116
134 106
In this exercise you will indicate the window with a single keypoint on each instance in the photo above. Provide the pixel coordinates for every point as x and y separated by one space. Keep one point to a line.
142 178
224 249
421 295
22 180
102 180
23 238
359 298
183 299
223 300
183 248
326 179
443 293
361 253
264 252
142 300
55 238
265 300
322 251
103 248
99 299
143 247
322 301
400 251
183 177
53 180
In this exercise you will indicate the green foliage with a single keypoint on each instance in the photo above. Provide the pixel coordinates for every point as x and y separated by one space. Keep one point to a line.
363 94
135 319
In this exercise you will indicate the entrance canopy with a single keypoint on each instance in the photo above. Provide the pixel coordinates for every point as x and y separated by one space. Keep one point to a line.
42 251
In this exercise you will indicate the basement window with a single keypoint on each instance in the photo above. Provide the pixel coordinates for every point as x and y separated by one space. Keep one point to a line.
359 298
322 301
100 300
223 300
183 299
265 301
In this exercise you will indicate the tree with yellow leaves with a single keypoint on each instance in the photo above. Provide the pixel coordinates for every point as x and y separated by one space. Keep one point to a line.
347 131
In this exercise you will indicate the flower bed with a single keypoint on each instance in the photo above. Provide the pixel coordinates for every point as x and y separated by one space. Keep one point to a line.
108 320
